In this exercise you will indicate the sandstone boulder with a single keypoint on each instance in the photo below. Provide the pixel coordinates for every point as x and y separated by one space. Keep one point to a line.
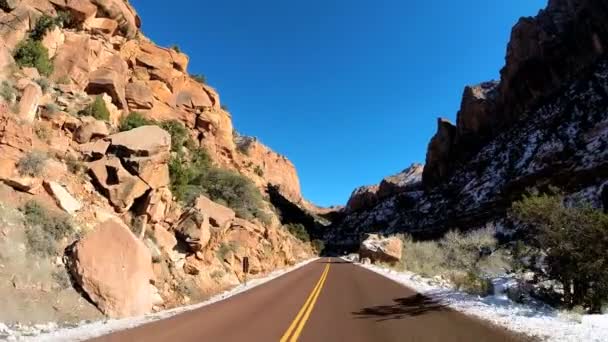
123 13
94 150
114 268
101 26
91 129
80 10
157 203
28 105
383 249
219 215
165 240
111 82
117 184
144 141
64 199
194 229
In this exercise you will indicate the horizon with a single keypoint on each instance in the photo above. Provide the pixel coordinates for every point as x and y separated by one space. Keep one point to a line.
311 79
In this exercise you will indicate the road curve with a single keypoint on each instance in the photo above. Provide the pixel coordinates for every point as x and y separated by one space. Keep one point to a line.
327 300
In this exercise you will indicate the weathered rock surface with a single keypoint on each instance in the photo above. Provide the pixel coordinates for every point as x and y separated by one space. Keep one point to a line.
363 197
194 229
91 129
219 215
64 199
439 152
381 249
144 141
115 269
28 105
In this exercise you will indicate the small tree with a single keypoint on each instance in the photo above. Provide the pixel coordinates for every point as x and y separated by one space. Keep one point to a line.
31 53
134 120
574 241
97 109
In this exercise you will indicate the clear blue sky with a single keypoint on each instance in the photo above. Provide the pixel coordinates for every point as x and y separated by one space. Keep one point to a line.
349 90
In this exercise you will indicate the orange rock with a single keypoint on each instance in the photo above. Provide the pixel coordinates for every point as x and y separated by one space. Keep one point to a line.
139 96
219 215
115 269
28 105
101 25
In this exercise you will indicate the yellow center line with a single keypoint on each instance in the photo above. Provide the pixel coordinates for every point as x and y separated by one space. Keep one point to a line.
305 311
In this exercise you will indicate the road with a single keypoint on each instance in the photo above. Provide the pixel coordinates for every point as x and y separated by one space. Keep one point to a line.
327 300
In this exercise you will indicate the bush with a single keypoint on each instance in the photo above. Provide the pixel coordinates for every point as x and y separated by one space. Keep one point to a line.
298 231
574 241
43 132
44 229
224 107
176 49
200 78
318 245
464 252
97 109
8 91
472 283
44 84
179 135
44 24
32 164
425 258
134 120
31 53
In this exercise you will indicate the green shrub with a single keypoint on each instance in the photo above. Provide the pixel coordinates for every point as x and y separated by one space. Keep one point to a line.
574 243
51 109
32 164
425 258
65 19
200 78
134 120
224 107
97 109
258 171
75 166
43 132
318 245
179 135
8 91
298 231
44 24
44 229
31 53
176 49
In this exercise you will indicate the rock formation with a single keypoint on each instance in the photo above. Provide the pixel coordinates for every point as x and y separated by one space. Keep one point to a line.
545 123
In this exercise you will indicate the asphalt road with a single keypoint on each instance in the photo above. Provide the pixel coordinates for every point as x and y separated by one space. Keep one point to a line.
327 300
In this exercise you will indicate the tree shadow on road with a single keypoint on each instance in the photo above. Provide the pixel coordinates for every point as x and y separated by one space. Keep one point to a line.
404 307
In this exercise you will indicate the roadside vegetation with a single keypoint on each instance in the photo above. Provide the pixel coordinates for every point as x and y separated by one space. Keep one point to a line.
571 245
44 229
96 109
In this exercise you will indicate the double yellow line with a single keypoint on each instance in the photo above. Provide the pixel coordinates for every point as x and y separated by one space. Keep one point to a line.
295 329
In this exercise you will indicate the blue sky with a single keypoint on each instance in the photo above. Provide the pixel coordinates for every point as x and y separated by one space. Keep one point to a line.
349 90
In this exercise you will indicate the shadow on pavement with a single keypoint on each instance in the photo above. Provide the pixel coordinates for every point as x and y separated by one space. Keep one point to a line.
409 306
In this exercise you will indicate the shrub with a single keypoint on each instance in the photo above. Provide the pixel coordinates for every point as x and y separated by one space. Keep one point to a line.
32 164
471 282
425 258
258 171
97 109
65 79
318 245
176 49
574 241
224 107
51 109
65 19
44 229
75 166
134 120
217 274
200 78
44 24
8 91
43 132
298 231
464 252
31 53
44 84
179 135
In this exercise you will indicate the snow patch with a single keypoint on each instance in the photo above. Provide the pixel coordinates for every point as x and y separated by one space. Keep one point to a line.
540 321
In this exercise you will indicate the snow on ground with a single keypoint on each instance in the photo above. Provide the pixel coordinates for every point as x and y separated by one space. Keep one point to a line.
50 333
541 321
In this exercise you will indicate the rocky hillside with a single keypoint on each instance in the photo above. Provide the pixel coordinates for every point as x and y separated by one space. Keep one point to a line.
122 175
544 123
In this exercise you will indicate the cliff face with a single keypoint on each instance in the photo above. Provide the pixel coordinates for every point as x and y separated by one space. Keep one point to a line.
544 123
60 147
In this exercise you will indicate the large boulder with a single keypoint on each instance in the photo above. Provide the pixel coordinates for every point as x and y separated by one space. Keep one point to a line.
144 141
80 10
381 249
28 105
194 229
219 215
116 183
91 129
123 13
114 268
110 79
